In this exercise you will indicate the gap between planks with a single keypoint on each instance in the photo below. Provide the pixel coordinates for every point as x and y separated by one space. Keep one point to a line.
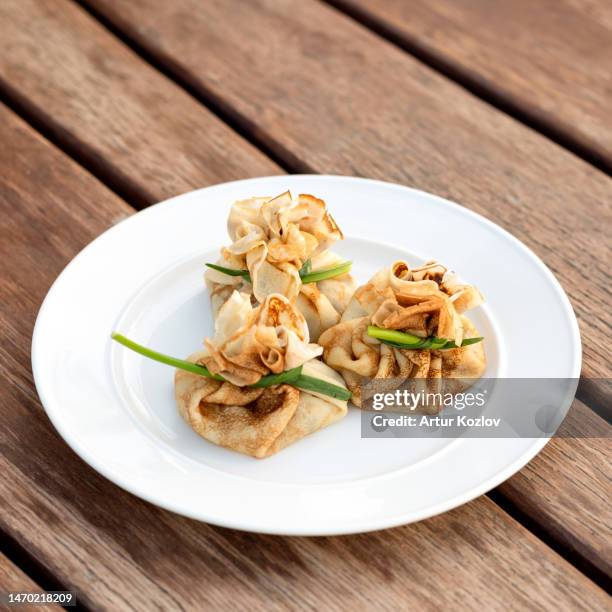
242 125
79 152
579 561
287 160
34 569
120 184
484 92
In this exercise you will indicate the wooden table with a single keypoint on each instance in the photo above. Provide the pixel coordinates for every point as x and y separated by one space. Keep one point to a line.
111 105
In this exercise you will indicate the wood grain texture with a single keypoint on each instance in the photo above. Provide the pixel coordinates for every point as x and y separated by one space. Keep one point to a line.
551 58
118 551
13 579
133 125
342 100
567 488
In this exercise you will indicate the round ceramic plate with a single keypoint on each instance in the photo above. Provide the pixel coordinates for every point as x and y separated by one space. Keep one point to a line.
144 277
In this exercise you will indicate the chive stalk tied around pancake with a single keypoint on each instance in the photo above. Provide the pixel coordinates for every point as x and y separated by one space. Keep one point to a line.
306 275
405 341
293 377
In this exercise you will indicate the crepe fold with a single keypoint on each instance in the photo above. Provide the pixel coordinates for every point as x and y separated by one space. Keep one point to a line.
425 301
255 422
272 238
251 342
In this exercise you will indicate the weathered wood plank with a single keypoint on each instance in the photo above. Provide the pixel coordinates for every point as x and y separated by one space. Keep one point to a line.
118 551
13 579
157 180
132 125
567 488
550 59
342 100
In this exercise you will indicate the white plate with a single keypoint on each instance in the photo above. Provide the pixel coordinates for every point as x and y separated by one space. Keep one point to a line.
144 278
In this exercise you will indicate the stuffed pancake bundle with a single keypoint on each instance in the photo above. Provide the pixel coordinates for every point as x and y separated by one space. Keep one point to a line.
406 324
249 345
278 244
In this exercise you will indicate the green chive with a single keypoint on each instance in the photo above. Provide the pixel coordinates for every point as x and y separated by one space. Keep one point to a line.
466 342
306 268
181 364
426 344
309 383
400 346
395 337
291 377
305 272
438 343
315 277
288 376
402 340
231 271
